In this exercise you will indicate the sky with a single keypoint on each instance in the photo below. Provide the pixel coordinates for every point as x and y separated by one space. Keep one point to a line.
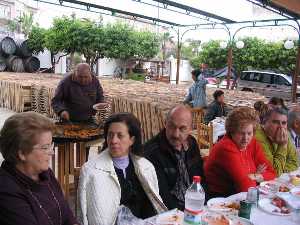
238 10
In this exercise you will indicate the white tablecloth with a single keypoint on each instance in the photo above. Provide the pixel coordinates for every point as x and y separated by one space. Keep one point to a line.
218 129
259 217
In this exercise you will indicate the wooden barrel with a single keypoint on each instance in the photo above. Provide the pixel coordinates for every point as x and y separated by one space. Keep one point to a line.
15 64
2 63
31 64
22 48
7 46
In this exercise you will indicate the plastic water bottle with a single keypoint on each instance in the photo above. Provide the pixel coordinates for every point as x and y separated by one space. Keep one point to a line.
194 203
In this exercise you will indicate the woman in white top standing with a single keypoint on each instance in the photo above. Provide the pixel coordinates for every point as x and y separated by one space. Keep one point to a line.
119 176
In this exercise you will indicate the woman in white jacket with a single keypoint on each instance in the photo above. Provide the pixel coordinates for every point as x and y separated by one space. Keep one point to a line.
118 176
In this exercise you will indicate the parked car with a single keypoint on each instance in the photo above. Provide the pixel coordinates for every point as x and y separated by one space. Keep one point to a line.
267 83
220 81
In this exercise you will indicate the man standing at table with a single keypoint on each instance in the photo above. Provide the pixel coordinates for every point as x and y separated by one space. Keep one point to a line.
76 94
276 143
176 157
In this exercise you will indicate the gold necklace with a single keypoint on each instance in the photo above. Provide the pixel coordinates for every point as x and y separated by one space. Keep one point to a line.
42 208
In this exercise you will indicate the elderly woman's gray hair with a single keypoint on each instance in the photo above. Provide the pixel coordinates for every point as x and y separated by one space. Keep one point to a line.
20 133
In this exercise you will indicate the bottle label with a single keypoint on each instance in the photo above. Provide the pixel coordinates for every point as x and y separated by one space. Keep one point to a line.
192 217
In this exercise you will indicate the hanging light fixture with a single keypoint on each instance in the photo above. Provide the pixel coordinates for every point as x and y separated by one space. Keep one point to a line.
240 44
289 44
223 44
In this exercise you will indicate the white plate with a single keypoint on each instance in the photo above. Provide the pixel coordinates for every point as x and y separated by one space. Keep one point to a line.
272 187
266 205
234 220
172 217
238 197
292 200
100 106
295 191
218 204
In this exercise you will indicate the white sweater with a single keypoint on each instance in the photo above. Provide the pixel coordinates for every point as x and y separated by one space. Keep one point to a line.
99 191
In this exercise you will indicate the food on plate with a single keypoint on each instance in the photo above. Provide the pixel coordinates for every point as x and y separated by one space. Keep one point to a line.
295 179
170 218
281 206
76 131
267 187
216 220
234 205
225 205
283 188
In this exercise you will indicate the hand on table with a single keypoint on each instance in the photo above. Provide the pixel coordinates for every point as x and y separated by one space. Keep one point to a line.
261 168
256 177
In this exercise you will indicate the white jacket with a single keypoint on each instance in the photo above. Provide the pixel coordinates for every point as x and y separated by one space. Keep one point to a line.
99 191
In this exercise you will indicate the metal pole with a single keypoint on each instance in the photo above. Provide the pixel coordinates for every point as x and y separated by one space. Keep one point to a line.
178 57
296 73
229 65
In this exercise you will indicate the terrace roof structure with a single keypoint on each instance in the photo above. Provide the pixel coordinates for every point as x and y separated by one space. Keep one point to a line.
186 15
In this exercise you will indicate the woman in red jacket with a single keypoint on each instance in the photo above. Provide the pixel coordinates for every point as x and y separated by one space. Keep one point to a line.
237 161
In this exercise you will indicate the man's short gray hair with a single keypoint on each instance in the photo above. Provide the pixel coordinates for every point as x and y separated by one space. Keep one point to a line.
292 116
272 110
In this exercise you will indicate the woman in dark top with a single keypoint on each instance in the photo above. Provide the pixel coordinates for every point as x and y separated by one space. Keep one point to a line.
119 176
29 192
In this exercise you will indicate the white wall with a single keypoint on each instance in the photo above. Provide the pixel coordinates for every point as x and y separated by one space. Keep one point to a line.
106 67
184 71
45 60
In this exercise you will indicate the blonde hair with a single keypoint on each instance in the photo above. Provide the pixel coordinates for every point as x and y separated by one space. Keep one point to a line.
240 117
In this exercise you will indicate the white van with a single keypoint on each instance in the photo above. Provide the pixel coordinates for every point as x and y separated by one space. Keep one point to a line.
269 84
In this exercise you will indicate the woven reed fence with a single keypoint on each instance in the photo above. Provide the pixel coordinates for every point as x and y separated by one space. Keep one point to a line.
148 102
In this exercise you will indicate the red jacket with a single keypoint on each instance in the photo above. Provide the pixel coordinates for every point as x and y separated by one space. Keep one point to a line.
227 168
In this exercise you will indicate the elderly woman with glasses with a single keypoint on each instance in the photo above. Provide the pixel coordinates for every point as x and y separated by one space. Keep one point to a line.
119 176
29 192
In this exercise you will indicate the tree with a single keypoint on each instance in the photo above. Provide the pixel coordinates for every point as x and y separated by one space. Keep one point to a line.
124 43
212 55
256 54
22 24
36 39
166 40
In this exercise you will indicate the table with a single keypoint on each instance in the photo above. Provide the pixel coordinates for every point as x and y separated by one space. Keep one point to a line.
72 153
257 216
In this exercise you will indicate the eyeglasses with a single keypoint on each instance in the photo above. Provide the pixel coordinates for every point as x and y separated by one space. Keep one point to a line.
45 148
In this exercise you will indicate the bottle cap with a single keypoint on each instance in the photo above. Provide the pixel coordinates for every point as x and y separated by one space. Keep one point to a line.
196 179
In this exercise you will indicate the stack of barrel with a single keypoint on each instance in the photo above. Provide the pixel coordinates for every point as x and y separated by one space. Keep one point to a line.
15 56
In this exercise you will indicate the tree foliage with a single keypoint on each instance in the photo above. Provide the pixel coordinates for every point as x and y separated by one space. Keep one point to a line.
256 54
94 40
22 24
36 39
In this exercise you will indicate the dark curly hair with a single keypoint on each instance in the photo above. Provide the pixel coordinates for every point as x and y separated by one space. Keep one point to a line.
217 94
196 72
134 130
239 117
